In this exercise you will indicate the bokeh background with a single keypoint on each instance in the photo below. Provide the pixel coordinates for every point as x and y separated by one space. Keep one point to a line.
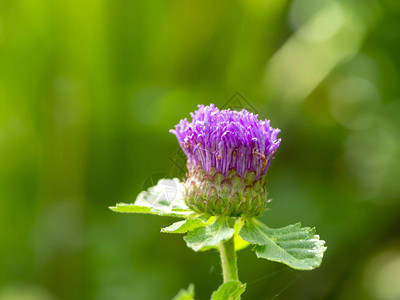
89 90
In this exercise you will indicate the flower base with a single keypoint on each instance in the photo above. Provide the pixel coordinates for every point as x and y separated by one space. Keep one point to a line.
231 195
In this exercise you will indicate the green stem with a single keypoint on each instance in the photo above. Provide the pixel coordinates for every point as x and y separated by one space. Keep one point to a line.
228 260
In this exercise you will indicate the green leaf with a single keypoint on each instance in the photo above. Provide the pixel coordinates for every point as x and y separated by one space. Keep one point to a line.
240 243
184 226
163 199
204 238
230 290
292 245
187 294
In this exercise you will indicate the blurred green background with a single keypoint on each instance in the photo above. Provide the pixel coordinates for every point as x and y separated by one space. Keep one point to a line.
89 90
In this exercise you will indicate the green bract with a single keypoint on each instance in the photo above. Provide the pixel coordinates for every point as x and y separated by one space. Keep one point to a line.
230 195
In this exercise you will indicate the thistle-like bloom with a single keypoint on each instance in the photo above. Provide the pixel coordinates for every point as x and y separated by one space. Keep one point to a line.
228 154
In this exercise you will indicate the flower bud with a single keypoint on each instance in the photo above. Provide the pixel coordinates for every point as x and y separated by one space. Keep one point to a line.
228 154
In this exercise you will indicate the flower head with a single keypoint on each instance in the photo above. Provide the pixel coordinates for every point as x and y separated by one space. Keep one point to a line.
228 154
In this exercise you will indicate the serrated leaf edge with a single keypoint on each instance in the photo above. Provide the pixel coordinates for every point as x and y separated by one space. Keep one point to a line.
319 251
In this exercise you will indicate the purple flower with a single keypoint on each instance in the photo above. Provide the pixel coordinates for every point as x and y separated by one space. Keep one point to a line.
226 140
228 154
